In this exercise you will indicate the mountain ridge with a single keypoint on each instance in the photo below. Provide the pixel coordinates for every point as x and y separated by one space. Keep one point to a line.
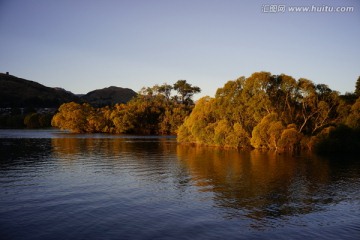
108 96
18 92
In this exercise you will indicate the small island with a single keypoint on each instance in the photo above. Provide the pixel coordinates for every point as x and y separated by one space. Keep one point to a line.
263 111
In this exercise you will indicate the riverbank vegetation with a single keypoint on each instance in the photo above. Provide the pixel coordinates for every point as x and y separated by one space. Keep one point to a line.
263 111
267 111
153 111
29 118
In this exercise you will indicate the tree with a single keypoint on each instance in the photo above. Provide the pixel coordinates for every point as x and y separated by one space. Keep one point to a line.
318 106
257 109
45 120
186 91
173 117
199 126
152 111
353 119
73 116
282 94
32 120
290 139
341 140
267 133
307 99
165 90
357 87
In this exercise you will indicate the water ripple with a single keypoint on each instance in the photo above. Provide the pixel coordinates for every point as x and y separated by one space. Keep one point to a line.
135 188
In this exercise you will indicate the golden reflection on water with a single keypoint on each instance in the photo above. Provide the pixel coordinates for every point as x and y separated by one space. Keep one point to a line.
109 146
116 154
257 184
252 184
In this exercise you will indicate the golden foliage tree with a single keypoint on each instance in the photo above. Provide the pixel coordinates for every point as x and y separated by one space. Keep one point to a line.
152 111
353 119
73 116
256 110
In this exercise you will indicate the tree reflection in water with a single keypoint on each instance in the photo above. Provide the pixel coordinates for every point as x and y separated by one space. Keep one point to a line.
259 185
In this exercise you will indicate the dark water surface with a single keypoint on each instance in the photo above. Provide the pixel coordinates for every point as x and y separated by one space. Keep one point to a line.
56 185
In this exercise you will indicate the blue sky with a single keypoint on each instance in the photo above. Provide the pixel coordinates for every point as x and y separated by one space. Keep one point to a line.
86 45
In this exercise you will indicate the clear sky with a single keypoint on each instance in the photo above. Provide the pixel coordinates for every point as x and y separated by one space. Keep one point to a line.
82 45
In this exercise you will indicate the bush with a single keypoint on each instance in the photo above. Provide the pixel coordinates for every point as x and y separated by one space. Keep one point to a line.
341 140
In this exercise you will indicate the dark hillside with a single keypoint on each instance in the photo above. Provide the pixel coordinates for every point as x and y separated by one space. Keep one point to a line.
21 93
17 92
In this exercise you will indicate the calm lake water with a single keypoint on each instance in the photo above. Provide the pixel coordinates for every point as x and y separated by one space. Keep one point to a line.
56 185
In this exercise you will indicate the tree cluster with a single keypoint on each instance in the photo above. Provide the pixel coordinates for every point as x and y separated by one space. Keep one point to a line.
28 118
153 111
270 112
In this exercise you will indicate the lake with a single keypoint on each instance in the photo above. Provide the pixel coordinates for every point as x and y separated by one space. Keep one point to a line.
58 185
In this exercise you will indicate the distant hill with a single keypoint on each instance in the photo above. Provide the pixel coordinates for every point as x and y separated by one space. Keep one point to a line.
109 96
17 93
